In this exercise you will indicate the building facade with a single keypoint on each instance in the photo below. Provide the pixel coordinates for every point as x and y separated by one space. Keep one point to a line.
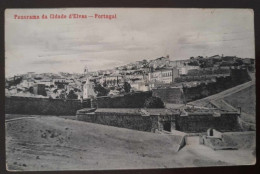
164 76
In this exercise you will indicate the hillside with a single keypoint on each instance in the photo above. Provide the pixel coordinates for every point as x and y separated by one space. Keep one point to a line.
52 143
239 96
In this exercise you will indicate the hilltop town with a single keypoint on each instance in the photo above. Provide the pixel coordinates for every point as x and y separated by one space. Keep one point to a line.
145 114
129 88
143 75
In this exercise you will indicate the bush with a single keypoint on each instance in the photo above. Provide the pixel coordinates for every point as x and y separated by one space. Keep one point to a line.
100 90
127 87
72 95
153 102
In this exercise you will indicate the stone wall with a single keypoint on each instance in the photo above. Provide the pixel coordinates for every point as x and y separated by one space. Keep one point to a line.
159 119
237 77
124 120
169 95
131 100
43 106
201 123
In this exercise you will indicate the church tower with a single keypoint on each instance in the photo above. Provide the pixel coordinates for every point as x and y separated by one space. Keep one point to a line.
86 70
88 89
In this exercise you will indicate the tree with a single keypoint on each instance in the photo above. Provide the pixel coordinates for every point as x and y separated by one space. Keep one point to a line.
62 95
127 87
153 102
100 90
31 90
104 83
193 63
72 95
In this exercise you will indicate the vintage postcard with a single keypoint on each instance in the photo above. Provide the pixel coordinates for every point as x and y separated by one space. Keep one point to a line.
129 88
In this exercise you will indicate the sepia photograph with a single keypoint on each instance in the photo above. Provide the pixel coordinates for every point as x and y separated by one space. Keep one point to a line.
129 88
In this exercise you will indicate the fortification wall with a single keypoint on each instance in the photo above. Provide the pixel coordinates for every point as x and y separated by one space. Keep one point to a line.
169 95
131 100
237 77
43 106
123 120
132 119
201 123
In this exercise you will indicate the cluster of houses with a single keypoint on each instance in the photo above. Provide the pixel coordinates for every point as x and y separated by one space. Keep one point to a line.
141 75
42 85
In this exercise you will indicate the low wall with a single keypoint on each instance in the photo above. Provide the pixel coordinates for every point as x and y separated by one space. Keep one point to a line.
201 123
124 120
131 100
231 140
43 106
169 95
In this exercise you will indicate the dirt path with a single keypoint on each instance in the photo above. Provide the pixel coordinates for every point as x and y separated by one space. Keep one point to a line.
192 140
243 157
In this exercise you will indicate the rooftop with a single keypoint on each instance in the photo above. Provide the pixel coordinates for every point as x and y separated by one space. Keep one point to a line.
138 111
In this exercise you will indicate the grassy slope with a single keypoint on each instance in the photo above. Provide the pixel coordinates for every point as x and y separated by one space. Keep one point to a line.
69 144
52 143
240 96
246 99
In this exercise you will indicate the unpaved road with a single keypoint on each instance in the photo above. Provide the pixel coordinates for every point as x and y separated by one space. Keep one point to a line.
241 156
52 143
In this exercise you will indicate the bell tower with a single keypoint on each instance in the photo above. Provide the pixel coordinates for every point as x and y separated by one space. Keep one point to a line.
86 70
88 88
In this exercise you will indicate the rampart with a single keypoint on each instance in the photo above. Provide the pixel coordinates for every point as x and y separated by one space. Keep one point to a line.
43 106
130 100
201 122
125 118
169 95
148 120
152 120
237 77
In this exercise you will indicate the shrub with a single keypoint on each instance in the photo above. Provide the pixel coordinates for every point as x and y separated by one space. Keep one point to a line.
72 95
153 102
127 87
100 90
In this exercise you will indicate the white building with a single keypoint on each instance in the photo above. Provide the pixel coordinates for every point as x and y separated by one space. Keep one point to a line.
165 76
88 89
185 69
140 86
46 82
27 83
112 80
30 74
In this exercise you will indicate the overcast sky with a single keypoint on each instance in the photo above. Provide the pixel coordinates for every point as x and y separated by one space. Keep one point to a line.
67 45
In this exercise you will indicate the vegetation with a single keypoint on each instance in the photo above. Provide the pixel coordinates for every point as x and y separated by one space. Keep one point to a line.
62 95
72 95
100 90
153 102
127 87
